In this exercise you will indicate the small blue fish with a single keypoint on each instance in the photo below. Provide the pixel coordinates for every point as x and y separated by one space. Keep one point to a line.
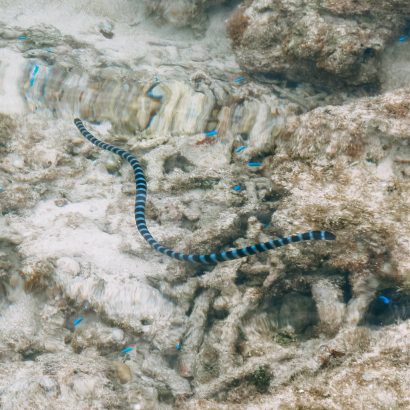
240 149
34 74
22 38
76 322
126 349
404 38
236 188
238 80
211 133
254 164
178 346
384 299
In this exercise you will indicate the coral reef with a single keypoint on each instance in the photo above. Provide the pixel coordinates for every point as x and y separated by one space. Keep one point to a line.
335 42
92 317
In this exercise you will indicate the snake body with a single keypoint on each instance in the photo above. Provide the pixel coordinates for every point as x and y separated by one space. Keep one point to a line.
139 212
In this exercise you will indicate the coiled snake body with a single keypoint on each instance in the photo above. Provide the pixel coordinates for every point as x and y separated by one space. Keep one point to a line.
140 199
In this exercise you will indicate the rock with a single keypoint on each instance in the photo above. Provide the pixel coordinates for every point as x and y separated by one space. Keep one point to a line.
123 372
333 42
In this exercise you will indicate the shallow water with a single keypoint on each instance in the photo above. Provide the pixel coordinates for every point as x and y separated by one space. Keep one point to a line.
91 316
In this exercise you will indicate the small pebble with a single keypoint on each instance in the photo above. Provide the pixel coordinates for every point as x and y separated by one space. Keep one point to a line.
60 202
123 372
112 164
106 29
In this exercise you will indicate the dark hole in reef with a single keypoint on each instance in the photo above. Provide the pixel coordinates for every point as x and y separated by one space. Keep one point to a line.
31 355
258 158
368 53
215 315
165 395
268 76
172 359
274 194
221 314
265 217
146 322
177 161
92 156
244 136
243 278
406 29
347 288
388 307
229 3
292 84
260 379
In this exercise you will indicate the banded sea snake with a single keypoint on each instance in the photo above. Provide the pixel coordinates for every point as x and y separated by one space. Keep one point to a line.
139 212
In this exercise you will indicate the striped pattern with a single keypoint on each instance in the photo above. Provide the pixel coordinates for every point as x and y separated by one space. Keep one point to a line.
139 211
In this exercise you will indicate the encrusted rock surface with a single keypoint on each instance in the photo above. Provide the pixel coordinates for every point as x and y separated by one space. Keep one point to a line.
327 42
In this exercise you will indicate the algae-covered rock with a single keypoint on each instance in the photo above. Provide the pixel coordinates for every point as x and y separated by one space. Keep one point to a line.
333 42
